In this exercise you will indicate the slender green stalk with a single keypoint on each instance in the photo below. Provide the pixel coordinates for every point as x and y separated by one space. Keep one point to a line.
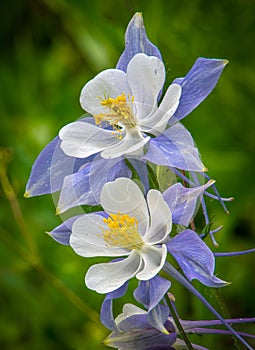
68 294
5 158
30 255
178 325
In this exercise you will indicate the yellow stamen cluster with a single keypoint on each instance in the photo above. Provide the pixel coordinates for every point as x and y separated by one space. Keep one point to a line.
122 232
120 114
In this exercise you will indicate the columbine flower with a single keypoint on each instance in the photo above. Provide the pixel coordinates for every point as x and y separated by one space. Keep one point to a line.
128 102
132 330
126 98
81 179
138 229
137 329
53 165
130 227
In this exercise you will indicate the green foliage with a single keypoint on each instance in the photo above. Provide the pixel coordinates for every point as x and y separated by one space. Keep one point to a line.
49 49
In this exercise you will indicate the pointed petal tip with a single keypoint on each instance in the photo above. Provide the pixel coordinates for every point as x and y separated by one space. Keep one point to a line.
222 283
165 331
107 341
48 233
27 194
138 18
225 62
211 182
58 211
138 14
204 169
171 297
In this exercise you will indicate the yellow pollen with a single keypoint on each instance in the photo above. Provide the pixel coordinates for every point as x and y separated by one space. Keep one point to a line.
120 114
122 232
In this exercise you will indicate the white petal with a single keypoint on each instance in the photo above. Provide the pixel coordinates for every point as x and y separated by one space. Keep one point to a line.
124 196
156 122
81 139
146 76
153 259
109 83
160 218
107 277
129 310
131 143
87 239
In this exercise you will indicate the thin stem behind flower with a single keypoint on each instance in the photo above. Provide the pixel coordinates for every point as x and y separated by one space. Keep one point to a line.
29 254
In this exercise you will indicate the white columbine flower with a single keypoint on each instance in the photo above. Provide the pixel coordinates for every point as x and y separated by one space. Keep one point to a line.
128 101
130 226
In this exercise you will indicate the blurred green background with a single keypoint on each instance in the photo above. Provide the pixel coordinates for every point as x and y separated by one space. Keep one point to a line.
49 49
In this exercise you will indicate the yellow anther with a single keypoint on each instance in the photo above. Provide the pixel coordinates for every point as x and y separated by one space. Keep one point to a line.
122 232
120 114
110 102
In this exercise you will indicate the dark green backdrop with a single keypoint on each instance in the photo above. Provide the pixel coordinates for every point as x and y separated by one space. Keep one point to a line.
49 49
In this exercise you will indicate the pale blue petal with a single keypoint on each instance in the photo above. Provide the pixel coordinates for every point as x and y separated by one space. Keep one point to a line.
197 85
142 171
106 313
50 169
85 186
136 42
76 191
195 258
175 148
62 233
134 321
151 292
158 316
106 170
182 201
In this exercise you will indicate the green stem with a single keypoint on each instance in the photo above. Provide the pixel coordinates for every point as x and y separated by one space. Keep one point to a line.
178 324
30 255
5 158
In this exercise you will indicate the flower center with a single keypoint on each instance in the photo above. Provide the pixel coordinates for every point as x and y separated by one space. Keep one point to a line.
120 114
122 232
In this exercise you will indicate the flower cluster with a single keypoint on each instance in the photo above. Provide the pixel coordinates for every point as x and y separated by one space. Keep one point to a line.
137 168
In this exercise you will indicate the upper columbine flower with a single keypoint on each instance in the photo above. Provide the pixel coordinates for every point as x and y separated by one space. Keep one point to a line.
131 110
126 113
126 101
130 227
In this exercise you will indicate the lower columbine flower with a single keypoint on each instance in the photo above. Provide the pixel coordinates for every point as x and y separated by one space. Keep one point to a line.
137 329
139 229
129 227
